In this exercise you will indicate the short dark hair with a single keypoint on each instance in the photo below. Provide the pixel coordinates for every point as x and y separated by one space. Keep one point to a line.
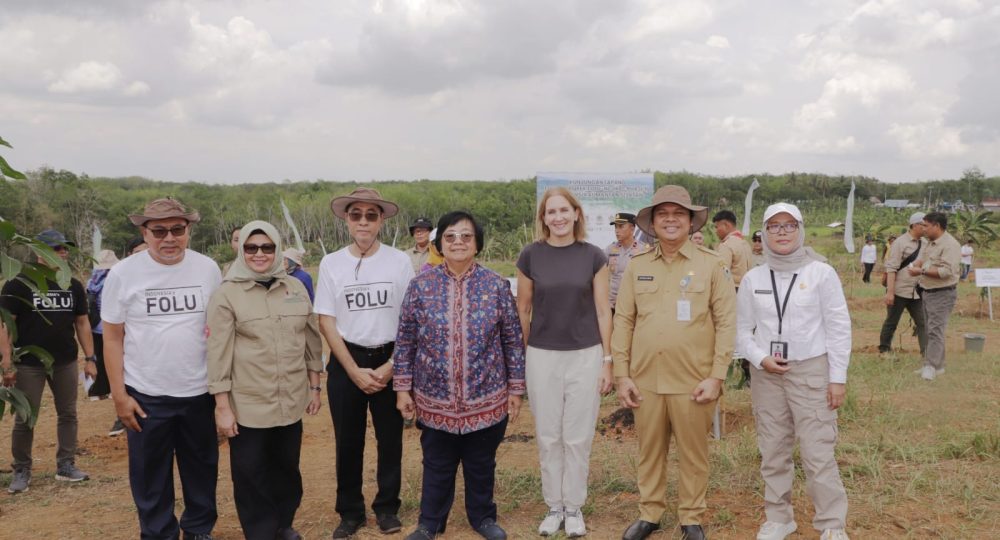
133 243
724 215
235 228
452 218
938 218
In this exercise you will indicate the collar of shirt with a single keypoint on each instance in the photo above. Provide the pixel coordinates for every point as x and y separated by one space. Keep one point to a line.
734 234
465 275
687 250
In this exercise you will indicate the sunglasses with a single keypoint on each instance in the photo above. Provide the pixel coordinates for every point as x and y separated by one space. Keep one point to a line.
251 249
178 231
370 217
452 237
789 227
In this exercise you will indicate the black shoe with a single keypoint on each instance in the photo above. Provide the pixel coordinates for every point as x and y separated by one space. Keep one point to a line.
388 523
199 536
639 529
692 532
421 533
489 530
287 534
347 528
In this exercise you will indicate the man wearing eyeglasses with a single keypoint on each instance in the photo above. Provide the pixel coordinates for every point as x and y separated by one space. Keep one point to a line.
154 318
53 321
358 299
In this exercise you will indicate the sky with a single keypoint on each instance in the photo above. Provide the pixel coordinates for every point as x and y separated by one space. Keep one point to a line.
235 91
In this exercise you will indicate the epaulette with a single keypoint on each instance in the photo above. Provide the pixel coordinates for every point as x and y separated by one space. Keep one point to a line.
708 250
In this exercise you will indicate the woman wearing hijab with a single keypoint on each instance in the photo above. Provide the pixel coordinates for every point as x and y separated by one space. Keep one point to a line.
263 369
793 326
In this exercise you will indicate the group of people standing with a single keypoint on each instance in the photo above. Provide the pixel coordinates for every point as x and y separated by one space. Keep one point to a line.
191 353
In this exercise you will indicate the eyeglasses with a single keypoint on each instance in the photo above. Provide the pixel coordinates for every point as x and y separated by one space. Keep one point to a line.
178 231
789 227
452 237
370 216
251 249
59 249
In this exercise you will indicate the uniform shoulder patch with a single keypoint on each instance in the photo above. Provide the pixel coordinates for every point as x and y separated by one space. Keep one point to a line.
710 251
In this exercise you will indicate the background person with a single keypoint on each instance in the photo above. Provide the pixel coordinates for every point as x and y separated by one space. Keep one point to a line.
938 271
968 253
53 321
360 291
153 311
420 230
621 251
562 300
698 238
869 256
794 327
901 287
293 267
264 363
135 245
100 389
757 248
732 248
459 369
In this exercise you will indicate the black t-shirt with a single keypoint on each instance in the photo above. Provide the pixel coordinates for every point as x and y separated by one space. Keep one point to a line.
55 332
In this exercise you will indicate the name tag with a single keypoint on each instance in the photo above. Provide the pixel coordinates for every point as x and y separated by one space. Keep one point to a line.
684 310
645 278
763 291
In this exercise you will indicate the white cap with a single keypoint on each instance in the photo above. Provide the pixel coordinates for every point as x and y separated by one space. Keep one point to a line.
294 254
778 208
918 217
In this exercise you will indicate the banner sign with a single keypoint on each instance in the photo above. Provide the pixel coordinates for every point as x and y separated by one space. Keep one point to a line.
987 277
602 196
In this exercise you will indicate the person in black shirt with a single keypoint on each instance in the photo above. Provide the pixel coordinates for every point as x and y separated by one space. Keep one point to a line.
53 321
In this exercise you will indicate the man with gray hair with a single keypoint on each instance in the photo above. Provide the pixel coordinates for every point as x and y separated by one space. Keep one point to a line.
901 287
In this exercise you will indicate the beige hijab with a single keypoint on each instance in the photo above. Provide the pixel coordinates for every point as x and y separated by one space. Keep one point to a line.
240 271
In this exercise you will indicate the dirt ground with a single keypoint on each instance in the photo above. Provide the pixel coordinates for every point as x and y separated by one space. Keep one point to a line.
102 507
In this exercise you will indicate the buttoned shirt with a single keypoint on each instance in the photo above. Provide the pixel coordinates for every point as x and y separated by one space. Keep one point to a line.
901 248
418 258
736 254
261 343
651 343
815 320
618 258
943 255
459 348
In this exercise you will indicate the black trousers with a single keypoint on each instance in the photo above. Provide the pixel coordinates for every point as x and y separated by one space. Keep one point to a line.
443 451
101 387
914 306
349 408
174 426
267 485
867 278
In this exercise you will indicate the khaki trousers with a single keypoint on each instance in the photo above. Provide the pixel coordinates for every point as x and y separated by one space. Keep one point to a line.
789 407
938 305
657 418
564 393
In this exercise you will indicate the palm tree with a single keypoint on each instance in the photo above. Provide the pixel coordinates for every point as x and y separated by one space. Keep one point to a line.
982 227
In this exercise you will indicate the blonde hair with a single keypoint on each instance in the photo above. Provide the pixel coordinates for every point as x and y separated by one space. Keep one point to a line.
542 230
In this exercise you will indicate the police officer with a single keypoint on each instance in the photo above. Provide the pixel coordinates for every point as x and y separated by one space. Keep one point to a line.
684 291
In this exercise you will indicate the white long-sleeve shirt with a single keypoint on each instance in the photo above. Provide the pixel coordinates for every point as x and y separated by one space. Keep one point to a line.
816 320
869 254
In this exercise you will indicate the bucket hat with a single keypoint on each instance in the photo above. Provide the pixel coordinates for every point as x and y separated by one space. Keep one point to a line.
671 194
339 204
165 208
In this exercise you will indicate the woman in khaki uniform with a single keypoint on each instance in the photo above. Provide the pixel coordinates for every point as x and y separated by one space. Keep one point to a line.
264 360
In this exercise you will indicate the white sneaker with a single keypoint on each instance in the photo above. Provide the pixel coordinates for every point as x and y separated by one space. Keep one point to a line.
772 530
552 523
574 524
835 534
927 374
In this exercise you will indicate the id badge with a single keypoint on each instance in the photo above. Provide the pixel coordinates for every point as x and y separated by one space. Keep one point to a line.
779 350
684 310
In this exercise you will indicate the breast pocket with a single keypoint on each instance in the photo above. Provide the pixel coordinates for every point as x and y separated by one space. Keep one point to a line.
646 296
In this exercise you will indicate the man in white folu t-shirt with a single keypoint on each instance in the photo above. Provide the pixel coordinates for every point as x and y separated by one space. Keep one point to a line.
153 313
358 297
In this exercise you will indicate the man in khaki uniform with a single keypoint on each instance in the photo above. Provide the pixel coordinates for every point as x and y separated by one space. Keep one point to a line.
674 331
938 268
733 248
901 287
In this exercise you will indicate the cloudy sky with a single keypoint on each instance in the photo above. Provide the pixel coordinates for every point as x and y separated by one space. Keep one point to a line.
264 90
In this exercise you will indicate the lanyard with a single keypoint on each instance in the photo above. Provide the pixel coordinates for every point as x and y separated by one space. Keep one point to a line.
781 307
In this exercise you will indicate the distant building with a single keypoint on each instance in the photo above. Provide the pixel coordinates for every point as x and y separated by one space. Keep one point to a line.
991 205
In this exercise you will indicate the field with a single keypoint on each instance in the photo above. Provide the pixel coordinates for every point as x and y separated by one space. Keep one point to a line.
919 459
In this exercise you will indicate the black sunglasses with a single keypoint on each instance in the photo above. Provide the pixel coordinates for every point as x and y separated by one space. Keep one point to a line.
370 216
251 249
177 231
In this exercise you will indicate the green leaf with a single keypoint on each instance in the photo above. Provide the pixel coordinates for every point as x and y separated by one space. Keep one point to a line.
53 261
37 279
9 267
7 230
8 171
41 354
8 322
5 143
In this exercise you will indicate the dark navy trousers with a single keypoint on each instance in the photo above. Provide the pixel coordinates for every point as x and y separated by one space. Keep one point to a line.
181 427
443 451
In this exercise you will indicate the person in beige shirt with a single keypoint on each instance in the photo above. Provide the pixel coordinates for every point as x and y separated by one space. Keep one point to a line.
939 271
733 248
264 363
901 287
673 339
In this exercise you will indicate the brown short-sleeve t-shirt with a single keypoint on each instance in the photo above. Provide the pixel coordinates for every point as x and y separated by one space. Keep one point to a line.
563 314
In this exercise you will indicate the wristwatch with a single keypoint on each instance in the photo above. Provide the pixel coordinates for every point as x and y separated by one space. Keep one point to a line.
90 358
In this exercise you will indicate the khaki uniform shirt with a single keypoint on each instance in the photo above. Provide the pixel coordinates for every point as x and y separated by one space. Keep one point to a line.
901 248
418 258
736 254
260 344
944 255
659 352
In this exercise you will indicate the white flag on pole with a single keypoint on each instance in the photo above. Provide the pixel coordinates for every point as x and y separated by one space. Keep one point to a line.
96 239
291 224
747 207
849 222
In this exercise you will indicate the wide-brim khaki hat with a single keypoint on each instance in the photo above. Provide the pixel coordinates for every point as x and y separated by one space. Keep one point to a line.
164 209
105 260
671 194
368 195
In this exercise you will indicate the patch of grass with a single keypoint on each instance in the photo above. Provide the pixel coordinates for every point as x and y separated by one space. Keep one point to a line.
515 487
